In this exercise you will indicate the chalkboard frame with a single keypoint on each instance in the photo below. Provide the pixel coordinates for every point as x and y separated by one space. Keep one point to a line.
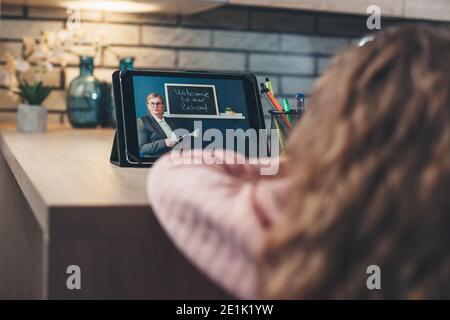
180 115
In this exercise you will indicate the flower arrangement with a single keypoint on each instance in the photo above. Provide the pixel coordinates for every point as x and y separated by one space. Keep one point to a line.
24 76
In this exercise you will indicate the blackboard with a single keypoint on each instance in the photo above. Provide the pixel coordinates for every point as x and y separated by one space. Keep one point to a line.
191 99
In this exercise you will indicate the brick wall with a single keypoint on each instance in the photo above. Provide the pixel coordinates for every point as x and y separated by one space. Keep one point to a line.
291 47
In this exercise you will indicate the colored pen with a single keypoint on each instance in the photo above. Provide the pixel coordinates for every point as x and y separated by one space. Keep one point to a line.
272 98
281 120
263 94
275 103
269 85
286 105
287 108
280 125
280 132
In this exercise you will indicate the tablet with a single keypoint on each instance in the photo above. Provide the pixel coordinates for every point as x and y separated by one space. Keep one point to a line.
161 109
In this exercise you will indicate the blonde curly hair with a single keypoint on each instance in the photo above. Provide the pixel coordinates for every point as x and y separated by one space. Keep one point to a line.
370 167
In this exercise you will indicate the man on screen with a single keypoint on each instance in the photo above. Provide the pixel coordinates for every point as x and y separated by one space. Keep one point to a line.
155 135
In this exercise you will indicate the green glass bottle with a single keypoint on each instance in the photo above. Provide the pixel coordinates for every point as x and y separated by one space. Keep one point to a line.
126 63
84 96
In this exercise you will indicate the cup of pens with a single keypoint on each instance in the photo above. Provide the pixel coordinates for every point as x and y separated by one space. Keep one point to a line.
283 120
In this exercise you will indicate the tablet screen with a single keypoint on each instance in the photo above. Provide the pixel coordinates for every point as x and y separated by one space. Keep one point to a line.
171 110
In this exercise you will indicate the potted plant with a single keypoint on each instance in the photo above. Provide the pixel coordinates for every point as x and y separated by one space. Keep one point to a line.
31 115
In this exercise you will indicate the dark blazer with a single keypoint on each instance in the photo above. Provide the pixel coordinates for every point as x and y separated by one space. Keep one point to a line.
151 137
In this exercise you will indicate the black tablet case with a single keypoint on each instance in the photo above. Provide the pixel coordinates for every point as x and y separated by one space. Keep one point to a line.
118 152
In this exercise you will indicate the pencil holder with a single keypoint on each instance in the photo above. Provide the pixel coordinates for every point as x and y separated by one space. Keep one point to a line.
283 122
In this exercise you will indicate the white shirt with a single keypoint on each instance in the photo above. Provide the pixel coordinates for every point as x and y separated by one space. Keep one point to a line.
165 127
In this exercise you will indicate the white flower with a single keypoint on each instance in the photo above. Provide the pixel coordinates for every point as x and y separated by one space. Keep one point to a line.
82 37
22 65
58 54
59 57
48 66
41 53
29 45
49 38
64 35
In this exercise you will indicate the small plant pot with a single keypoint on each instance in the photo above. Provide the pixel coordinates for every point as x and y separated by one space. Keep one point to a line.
31 119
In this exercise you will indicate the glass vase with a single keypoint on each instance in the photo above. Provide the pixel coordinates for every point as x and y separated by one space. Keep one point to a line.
84 96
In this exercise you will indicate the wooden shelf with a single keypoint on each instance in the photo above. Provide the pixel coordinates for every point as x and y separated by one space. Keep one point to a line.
415 9
181 7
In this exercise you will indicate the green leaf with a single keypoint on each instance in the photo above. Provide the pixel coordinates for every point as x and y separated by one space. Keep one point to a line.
34 94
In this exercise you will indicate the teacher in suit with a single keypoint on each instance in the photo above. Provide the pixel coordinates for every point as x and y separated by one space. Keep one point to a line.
155 133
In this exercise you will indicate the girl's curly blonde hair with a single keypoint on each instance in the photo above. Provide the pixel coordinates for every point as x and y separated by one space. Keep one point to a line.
370 167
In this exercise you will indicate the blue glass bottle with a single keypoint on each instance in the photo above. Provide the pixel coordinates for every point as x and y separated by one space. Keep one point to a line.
84 96
126 63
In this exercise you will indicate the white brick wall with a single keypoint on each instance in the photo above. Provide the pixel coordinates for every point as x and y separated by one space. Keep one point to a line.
250 41
114 33
17 28
53 78
312 44
145 57
211 60
286 21
15 48
221 18
176 37
290 86
7 100
281 64
322 64
56 100
143 18
74 59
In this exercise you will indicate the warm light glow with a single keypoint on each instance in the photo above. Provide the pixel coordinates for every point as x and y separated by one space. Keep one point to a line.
112 5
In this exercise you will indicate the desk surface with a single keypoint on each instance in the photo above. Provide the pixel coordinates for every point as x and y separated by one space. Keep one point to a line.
70 168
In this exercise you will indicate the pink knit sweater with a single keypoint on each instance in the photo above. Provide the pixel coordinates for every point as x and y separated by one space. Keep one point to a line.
217 214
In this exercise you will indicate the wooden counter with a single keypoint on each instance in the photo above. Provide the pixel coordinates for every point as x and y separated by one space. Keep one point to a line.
62 203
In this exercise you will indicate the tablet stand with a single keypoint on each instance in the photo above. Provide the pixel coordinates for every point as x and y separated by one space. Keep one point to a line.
119 151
